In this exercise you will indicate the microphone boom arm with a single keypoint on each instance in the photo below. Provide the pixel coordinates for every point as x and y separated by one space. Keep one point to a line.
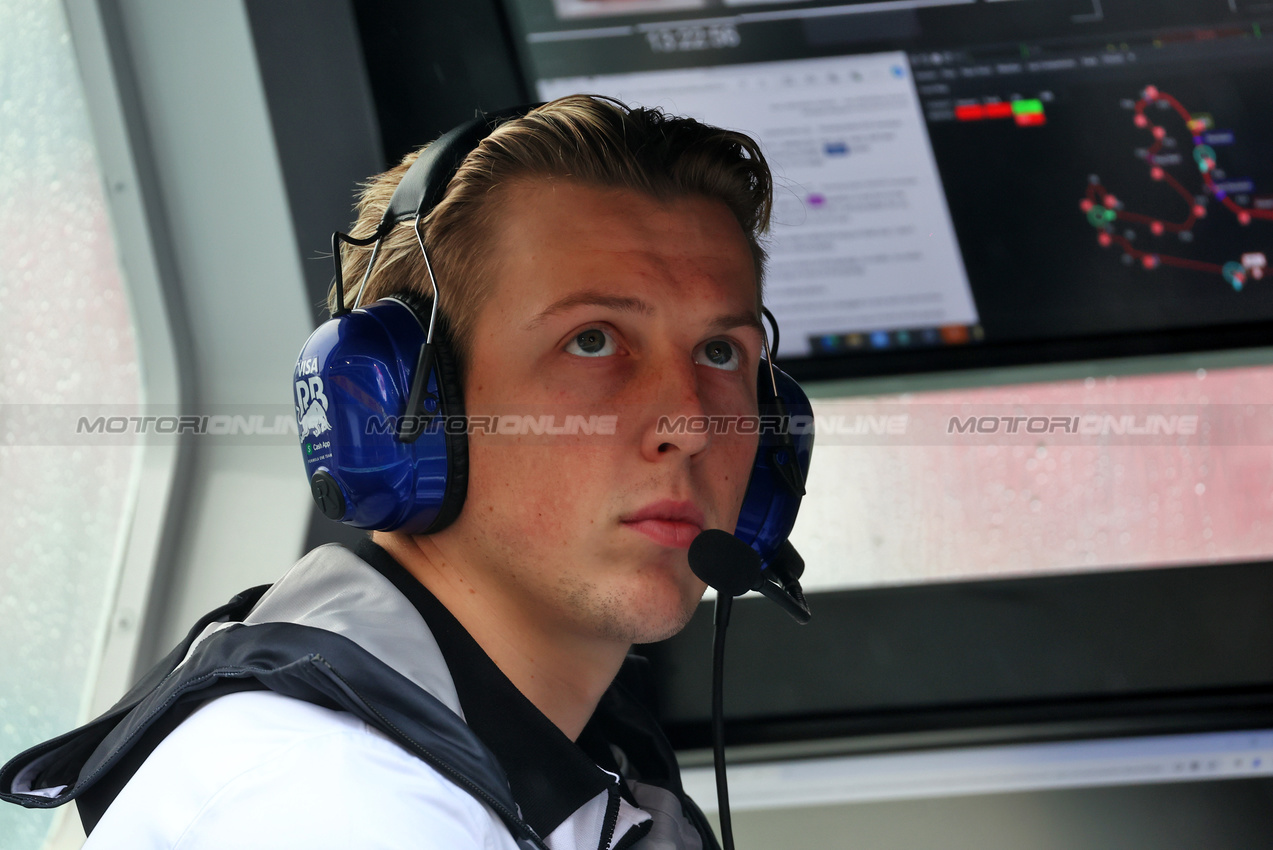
789 598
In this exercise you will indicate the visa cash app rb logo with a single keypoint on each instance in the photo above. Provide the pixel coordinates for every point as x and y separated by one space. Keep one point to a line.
311 401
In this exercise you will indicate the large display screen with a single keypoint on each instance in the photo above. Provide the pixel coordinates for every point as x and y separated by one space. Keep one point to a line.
966 183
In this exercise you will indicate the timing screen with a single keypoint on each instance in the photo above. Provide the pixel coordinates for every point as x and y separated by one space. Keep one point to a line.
1094 178
862 241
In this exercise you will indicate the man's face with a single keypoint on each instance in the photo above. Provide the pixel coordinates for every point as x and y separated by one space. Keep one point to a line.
608 303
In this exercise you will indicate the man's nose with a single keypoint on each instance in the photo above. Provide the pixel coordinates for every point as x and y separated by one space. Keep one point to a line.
677 420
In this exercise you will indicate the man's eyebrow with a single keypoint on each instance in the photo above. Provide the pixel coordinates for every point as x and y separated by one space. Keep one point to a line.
593 299
745 319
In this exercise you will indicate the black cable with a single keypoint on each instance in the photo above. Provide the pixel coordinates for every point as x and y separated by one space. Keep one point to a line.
337 238
773 349
724 604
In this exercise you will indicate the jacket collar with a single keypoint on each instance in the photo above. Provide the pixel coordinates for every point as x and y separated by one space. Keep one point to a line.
551 776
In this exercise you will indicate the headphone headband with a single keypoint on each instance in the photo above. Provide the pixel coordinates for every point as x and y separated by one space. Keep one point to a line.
422 187
419 190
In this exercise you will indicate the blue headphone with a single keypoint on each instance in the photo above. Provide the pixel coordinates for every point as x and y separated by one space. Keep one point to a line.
381 415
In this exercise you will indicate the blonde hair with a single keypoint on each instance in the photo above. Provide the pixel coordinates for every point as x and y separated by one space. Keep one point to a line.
594 140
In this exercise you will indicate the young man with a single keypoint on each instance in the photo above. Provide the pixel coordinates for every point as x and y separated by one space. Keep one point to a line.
593 261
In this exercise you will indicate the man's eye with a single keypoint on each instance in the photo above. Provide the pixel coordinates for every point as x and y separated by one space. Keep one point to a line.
720 354
593 342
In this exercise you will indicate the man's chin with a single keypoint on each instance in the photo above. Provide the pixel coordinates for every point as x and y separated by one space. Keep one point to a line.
662 621
649 603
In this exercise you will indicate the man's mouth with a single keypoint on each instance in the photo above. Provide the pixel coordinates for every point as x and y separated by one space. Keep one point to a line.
667 523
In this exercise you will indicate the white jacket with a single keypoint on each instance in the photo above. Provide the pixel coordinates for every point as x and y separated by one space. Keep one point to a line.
335 724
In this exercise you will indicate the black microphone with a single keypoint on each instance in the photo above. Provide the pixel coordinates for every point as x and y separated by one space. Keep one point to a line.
724 562
732 567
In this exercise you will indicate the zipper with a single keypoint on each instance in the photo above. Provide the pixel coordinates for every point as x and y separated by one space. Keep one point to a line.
612 818
633 835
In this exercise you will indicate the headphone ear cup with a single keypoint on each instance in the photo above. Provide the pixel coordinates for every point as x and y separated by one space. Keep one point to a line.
353 381
772 501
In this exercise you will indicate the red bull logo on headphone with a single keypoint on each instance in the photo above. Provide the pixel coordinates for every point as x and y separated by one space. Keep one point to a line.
311 401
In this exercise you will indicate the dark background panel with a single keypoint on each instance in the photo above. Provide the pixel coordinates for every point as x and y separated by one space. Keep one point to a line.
1220 815
325 129
433 64
1135 644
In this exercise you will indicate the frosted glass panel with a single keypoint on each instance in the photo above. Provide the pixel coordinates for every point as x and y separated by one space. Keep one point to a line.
1102 473
65 338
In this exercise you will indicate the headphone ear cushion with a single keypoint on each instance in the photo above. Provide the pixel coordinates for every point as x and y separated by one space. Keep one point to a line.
450 407
772 499
457 439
